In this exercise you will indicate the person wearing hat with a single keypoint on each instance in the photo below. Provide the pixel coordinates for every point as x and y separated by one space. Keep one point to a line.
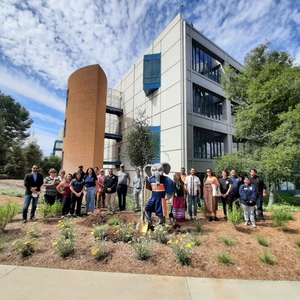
123 183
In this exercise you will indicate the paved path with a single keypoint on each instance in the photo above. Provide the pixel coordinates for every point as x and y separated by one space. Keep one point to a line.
39 283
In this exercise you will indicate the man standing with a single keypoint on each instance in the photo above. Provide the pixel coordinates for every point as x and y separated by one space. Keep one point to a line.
123 183
33 182
192 187
234 194
100 202
137 185
82 173
110 186
261 191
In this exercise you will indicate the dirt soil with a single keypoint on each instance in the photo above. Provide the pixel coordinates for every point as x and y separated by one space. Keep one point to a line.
122 258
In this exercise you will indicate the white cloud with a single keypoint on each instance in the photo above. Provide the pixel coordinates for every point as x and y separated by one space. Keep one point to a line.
45 117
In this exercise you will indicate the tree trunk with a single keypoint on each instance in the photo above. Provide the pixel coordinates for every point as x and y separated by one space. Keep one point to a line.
272 194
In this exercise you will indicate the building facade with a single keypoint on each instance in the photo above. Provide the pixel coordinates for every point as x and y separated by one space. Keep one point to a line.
177 82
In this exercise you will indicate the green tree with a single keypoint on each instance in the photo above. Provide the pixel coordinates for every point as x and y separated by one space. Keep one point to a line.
3 147
139 145
50 162
267 93
33 154
15 166
16 120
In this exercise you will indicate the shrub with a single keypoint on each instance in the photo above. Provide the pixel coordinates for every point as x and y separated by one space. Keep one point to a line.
65 243
297 242
235 216
228 241
11 192
267 258
47 210
198 226
7 211
280 217
33 232
125 231
25 246
224 258
182 249
262 241
3 239
99 250
160 233
113 221
99 231
142 248
196 240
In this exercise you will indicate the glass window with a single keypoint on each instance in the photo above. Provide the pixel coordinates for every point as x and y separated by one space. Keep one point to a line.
152 73
204 64
207 104
155 132
207 143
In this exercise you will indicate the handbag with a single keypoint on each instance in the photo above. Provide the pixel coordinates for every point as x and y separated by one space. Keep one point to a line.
216 192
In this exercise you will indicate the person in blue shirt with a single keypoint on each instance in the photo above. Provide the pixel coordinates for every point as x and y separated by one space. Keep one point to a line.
248 197
236 182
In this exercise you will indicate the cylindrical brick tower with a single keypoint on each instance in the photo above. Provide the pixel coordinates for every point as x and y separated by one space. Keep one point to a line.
83 142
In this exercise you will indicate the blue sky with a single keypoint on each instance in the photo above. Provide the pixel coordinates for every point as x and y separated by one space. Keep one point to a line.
42 42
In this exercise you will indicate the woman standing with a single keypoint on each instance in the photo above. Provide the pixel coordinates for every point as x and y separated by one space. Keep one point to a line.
64 189
225 187
61 178
211 202
90 182
178 198
50 183
77 188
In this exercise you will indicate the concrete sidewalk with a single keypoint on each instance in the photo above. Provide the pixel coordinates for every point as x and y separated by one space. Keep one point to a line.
39 283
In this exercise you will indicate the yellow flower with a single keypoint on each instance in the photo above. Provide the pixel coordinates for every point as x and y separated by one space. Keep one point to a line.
54 243
189 245
129 242
176 242
169 241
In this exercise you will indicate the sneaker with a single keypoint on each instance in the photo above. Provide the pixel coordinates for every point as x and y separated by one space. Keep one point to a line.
79 216
24 221
33 219
210 219
253 225
246 224
216 219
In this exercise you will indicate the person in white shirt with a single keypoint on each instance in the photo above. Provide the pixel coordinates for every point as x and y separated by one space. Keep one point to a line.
192 186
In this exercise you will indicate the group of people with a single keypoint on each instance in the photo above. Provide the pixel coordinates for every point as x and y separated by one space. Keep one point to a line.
247 191
100 191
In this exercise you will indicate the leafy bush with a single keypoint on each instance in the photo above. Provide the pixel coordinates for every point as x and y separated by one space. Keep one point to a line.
25 246
160 233
182 249
47 210
282 207
267 258
65 243
235 216
125 231
113 221
100 250
142 248
280 217
33 232
198 226
7 211
99 231
262 241
228 241
11 192
196 240
224 258
297 242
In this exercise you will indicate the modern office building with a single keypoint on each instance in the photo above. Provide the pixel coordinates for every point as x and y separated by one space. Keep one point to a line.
177 83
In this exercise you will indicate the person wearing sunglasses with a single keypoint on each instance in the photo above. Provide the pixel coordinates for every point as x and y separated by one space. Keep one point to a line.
33 182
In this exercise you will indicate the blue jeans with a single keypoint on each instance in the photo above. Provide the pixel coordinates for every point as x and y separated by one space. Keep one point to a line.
27 199
259 205
192 201
90 198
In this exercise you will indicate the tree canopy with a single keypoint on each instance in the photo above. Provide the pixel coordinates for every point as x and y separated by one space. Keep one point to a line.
267 97
16 120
